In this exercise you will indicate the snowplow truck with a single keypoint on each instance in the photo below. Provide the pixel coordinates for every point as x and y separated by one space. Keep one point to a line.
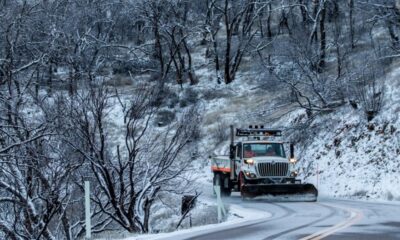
257 165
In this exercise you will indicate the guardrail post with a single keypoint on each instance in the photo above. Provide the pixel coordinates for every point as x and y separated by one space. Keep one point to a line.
87 211
317 176
220 205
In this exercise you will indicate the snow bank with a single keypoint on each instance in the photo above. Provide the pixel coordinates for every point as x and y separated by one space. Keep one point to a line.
238 216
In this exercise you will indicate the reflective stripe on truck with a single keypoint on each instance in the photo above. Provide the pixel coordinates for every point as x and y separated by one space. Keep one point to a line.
220 169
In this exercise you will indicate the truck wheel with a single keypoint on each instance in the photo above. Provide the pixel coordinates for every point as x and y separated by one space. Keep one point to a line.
242 181
225 191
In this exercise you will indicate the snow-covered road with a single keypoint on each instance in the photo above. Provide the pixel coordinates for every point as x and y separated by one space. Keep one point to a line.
325 219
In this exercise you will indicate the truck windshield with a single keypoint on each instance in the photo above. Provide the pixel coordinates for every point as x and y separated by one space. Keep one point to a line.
263 149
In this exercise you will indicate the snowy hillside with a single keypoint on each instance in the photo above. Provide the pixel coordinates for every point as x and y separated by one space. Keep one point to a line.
356 158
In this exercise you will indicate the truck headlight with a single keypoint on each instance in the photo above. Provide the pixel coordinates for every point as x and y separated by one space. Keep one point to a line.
293 160
250 174
249 161
293 174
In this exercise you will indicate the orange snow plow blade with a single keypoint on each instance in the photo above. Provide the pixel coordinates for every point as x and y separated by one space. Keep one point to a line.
297 192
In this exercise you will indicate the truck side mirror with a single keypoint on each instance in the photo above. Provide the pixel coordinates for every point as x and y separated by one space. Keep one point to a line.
232 151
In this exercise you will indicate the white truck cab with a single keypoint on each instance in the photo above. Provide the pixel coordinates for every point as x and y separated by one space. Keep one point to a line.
265 161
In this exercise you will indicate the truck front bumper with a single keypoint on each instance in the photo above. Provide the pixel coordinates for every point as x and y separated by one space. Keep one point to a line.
273 180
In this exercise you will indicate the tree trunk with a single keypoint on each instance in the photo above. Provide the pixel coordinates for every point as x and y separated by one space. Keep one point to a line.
351 23
337 22
147 206
158 49
192 76
50 79
216 59
269 31
66 226
227 76
321 63
37 82
314 35
260 23
393 36
303 11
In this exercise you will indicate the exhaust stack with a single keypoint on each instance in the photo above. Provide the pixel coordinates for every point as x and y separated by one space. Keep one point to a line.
232 151
291 150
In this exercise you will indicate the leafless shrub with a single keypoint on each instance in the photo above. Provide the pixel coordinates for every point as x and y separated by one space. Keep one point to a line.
316 92
369 89
164 117
221 132
360 193
190 96
164 97
119 81
211 94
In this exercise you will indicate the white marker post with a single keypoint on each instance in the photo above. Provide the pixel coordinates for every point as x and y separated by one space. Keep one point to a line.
221 208
317 175
87 211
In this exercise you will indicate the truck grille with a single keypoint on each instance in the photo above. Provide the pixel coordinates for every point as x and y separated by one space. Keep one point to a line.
273 169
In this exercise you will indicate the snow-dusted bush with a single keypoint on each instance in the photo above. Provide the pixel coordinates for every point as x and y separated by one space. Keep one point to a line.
369 88
221 132
164 117
189 97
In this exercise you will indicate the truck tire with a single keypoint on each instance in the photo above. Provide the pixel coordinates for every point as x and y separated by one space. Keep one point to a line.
242 181
219 180
225 190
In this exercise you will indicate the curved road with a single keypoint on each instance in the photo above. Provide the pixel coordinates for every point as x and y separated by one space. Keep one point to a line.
325 219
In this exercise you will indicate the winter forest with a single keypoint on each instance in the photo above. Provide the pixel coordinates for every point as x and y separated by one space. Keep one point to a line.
131 95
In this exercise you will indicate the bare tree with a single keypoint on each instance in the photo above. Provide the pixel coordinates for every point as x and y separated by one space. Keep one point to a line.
130 176
351 23
171 30
314 91
37 177
177 34
239 20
